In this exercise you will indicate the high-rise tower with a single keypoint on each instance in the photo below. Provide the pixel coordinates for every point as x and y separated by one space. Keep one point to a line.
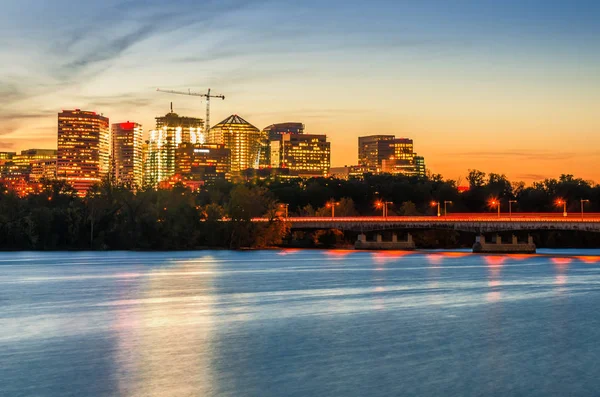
127 143
83 148
242 139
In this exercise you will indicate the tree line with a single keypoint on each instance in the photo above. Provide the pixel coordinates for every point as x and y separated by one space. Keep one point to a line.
115 217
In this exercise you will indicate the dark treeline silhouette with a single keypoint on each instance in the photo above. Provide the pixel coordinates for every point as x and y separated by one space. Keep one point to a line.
113 217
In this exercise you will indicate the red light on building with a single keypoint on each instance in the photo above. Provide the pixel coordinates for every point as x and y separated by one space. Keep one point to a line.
128 126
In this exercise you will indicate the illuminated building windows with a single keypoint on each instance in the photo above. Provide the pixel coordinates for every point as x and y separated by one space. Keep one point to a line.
127 157
244 140
83 148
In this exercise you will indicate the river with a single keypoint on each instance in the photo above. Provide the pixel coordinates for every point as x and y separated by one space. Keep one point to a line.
299 323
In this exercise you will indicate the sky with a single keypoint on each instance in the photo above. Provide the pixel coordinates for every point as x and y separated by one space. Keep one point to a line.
511 86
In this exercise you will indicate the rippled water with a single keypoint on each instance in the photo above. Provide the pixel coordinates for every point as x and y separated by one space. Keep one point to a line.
299 323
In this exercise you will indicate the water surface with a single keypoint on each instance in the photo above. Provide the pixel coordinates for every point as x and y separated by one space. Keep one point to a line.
299 323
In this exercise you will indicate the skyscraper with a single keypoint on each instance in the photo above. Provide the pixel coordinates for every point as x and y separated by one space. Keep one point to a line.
388 154
242 139
273 133
127 142
302 154
171 130
373 149
83 148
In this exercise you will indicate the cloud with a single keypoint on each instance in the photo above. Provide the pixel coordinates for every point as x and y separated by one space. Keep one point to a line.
531 177
525 155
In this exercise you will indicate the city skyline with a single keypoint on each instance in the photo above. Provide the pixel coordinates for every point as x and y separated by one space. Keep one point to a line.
507 88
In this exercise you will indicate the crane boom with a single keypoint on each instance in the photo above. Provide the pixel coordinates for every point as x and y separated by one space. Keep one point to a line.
208 95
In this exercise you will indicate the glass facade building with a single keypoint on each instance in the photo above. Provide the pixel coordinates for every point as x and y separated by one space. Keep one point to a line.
171 131
388 154
274 133
244 141
127 156
83 156
373 149
302 154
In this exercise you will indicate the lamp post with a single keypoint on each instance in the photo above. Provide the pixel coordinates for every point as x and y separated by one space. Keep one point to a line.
331 204
379 204
433 204
385 208
446 208
495 202
286 206
562 202
510 202
582 202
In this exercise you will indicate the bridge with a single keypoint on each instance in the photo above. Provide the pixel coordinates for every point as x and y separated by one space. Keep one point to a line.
474 223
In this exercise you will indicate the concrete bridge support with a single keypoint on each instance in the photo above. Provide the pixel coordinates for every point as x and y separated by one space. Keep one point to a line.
379 244
498 247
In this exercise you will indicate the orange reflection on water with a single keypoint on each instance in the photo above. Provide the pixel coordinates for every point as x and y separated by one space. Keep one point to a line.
338 254
494 260
588 259
454 254
561 261
494 264
288 251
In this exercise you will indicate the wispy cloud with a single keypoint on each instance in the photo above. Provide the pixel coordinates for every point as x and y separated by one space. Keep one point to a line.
532 155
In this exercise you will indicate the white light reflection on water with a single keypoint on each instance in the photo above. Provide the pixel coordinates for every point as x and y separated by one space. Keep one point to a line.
298 323
164 342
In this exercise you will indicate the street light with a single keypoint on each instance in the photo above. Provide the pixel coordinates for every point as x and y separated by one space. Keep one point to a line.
433 204
385 207
495 202
510 202
562 202
445 208
331 204
583 201
379 204
285 205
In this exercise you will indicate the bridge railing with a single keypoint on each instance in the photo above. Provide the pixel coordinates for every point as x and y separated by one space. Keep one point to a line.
554 218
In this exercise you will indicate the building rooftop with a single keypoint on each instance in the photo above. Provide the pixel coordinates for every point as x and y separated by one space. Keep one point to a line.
234 119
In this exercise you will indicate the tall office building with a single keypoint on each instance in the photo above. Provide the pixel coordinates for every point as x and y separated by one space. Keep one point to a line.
171 131
83 148
243 140
302 154
274 133
420 166
388 154
127 161
373 149
202 162
43 169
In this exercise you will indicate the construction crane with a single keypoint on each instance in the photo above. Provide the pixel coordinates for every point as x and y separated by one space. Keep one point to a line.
207 96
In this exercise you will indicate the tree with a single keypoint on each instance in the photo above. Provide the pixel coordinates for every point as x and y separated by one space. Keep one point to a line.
476 178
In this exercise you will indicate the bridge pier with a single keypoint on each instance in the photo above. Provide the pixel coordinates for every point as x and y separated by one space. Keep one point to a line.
498 247
406 245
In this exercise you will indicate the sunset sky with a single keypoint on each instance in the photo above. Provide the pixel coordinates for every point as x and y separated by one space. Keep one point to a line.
509 86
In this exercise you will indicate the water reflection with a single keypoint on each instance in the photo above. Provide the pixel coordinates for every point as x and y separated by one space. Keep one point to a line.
494 265
164 336
561 266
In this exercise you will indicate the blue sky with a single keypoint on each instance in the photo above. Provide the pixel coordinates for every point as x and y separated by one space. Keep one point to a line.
494 83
